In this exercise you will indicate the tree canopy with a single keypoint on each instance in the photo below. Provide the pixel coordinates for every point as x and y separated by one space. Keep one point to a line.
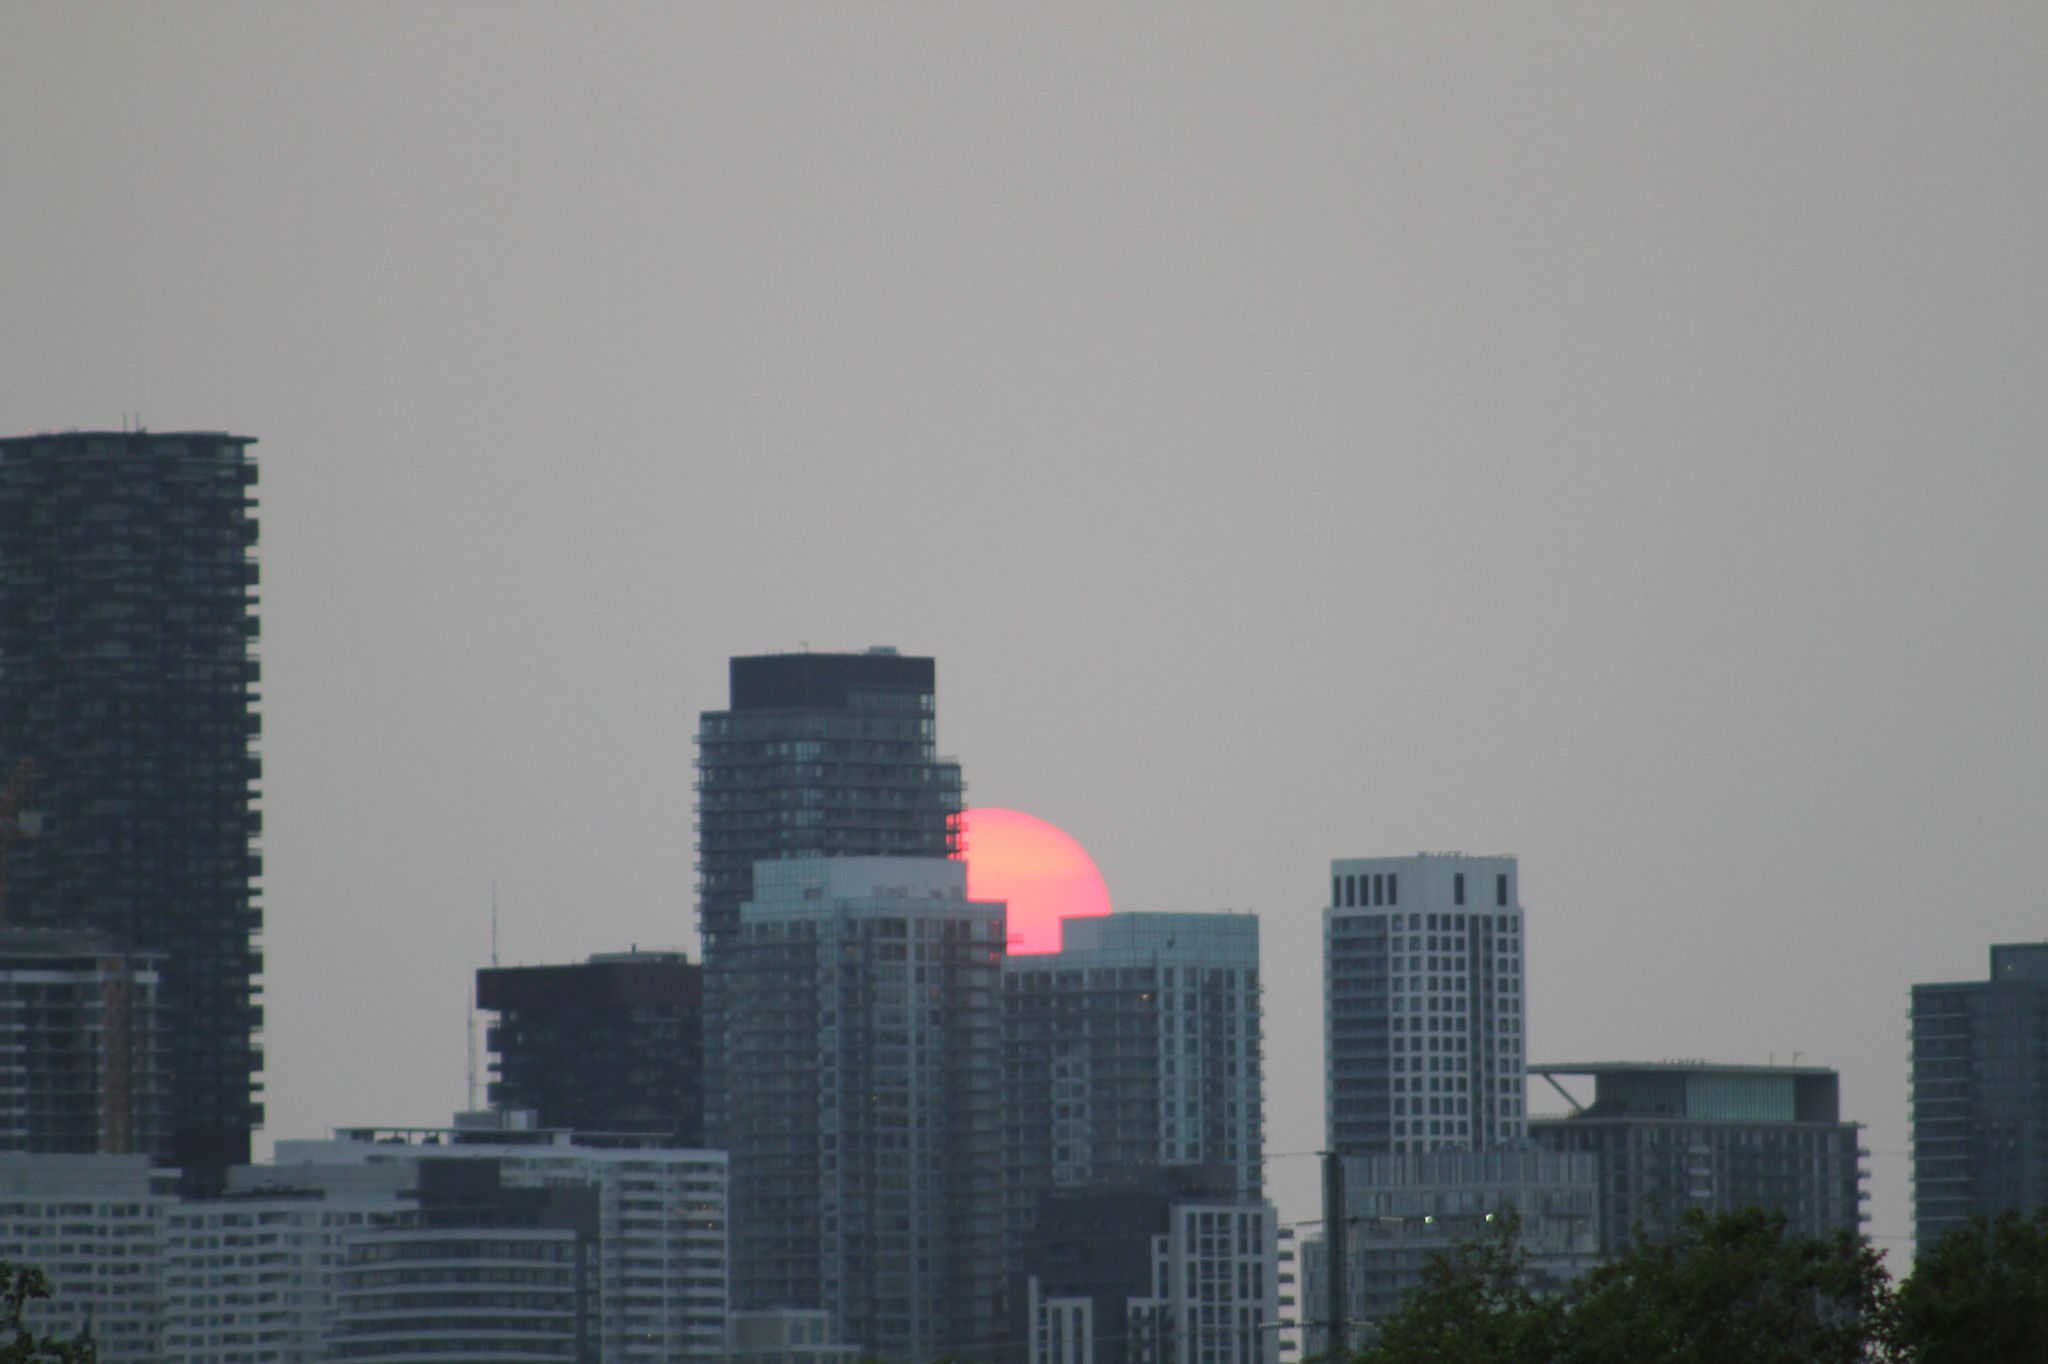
19 1286
1735 1288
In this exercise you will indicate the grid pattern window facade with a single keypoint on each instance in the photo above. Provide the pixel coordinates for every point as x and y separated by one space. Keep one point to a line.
128 676
862 1042
1980 1093
1138 1044
1423 1005
94 1225
817 755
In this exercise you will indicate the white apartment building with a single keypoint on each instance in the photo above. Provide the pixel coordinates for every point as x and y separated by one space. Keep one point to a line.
251 1278
1423 1006
93 1225
662 1218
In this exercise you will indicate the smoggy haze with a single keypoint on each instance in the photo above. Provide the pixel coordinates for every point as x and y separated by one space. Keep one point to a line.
1611 435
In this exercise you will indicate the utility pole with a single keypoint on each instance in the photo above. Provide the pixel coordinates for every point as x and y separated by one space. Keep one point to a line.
1336 1271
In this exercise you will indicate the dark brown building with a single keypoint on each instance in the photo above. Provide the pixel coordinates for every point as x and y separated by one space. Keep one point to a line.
611 1046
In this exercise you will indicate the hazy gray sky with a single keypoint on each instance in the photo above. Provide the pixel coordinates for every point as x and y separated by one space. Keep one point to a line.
1612 435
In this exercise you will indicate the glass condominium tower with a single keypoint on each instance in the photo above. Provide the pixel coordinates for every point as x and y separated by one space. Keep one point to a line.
816 755
1423 1013
128 679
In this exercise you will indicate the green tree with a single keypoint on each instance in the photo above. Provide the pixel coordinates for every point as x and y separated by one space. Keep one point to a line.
1473 1306
1736 1288
19 1286
1979 1295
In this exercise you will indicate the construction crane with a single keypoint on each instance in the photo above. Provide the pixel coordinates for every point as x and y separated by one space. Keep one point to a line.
16 823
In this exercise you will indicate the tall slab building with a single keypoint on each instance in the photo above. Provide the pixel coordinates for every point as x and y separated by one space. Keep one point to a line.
816 755
1135 1045
1980 1093
128 679
1423 1045
865 1118
1424 1087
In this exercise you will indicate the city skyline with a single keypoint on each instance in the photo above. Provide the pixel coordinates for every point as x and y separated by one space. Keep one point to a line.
1609 437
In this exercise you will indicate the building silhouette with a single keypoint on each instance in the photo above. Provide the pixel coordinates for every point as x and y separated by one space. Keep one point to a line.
128 678
816 755
1980 1093
865 1111
1675 1136
613 1046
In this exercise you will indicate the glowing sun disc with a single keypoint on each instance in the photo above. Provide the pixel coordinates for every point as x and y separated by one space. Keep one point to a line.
1038 868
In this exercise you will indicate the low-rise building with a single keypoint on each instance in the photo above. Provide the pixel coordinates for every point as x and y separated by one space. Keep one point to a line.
662 1280
251 1278
1678 1135
1400 1210
94 1226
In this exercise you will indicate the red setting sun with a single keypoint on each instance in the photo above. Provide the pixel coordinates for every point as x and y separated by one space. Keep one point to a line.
1042 873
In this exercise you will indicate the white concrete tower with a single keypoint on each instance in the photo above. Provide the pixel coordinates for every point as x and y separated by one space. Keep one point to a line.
1422 1004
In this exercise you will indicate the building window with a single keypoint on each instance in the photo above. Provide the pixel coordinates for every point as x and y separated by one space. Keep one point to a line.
1458 888
1500 889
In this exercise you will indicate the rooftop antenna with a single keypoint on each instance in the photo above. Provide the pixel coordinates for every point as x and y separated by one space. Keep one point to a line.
470 1107
472 998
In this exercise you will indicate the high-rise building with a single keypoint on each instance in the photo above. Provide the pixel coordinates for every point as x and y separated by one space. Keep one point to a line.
1980 1093
612 1046
1166 1265
128 677
865 1111
81 1046
1137 1044
1424 1080
1423 1045
816 755
1679 1135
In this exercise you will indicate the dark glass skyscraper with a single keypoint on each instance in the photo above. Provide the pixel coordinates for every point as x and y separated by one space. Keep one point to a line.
127 620
818 755
1980 1093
